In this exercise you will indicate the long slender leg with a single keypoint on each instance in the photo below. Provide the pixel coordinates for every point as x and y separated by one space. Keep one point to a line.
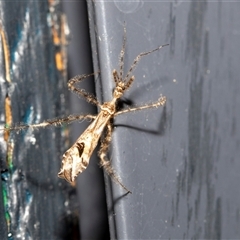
104 162
71 86
161 102
137 59
57 121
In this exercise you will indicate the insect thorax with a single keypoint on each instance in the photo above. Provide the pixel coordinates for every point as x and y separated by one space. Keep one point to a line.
109 107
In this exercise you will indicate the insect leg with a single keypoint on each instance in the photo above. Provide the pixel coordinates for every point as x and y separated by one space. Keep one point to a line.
81 92
56 122
161 102
104 162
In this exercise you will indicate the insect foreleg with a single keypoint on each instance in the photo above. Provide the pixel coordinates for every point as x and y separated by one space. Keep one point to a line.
81 92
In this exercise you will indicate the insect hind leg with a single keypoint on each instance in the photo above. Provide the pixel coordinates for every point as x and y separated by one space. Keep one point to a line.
104 162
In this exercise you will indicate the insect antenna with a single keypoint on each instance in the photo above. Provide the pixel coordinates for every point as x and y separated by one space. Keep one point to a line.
115 76
121 59
138 58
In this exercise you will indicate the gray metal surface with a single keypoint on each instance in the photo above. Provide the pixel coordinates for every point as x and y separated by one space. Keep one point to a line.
182 161
36 204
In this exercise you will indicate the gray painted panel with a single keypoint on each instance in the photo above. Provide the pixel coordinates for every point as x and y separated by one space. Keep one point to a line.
181 162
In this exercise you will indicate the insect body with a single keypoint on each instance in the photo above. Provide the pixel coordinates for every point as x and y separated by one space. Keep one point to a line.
76 159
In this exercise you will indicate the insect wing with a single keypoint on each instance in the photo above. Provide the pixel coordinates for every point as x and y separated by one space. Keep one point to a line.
73 162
